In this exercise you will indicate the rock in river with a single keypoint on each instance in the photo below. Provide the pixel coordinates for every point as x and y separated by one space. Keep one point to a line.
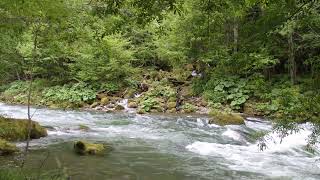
86 148
17 129
7 148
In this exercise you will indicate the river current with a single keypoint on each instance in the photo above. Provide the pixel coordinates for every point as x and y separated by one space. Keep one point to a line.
164 147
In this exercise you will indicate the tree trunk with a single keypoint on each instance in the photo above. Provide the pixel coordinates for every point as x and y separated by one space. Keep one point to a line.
292 63
235 35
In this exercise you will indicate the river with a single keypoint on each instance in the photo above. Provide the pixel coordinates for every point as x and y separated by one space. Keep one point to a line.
164 147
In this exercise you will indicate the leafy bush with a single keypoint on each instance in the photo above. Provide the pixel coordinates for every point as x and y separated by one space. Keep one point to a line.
17 91
110 87
148 103
76 93
227 90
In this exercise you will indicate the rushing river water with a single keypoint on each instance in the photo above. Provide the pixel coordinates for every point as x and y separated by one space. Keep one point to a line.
162 147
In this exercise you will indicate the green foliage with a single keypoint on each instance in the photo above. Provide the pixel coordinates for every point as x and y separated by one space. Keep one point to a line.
148 103
75 94
228 90
17 92
188 108
109 87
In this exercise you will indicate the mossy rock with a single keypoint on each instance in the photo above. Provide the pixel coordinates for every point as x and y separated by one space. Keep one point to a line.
173 110
86 148
141 111
104 101
132 105
17 129
7 148
172 99
118 107
130 93
224 118
172 105
186 92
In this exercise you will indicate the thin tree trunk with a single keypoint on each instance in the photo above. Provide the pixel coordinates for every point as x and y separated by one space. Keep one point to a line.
292 63
235 35
35 45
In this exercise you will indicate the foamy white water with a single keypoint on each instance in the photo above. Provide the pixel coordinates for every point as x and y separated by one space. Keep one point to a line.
186 147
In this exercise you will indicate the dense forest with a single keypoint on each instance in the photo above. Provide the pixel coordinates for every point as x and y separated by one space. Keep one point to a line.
260 57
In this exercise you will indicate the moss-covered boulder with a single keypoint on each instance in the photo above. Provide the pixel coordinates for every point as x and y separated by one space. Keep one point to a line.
225 118
7 148
17 129
104 101
119 107
86 148
132 105
171 105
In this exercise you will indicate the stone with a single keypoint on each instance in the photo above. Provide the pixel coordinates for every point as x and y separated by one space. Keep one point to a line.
172 105
141 111
132 105
105 101
186 92
118 107
86 148
17 129
7 148
172 110
225 118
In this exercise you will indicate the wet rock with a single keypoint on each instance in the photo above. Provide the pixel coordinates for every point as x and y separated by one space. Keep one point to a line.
132 105
86 148
141 111
7 148
17 129
225 118
118 107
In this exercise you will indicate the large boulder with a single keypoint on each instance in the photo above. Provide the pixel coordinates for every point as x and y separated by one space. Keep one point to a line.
225 118
17 129
7 148
86 148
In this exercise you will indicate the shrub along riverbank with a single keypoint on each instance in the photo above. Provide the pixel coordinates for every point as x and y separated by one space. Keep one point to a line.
179 91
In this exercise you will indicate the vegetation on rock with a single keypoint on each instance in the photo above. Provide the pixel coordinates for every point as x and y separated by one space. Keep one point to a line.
7 148
225 118
86 148
17 129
